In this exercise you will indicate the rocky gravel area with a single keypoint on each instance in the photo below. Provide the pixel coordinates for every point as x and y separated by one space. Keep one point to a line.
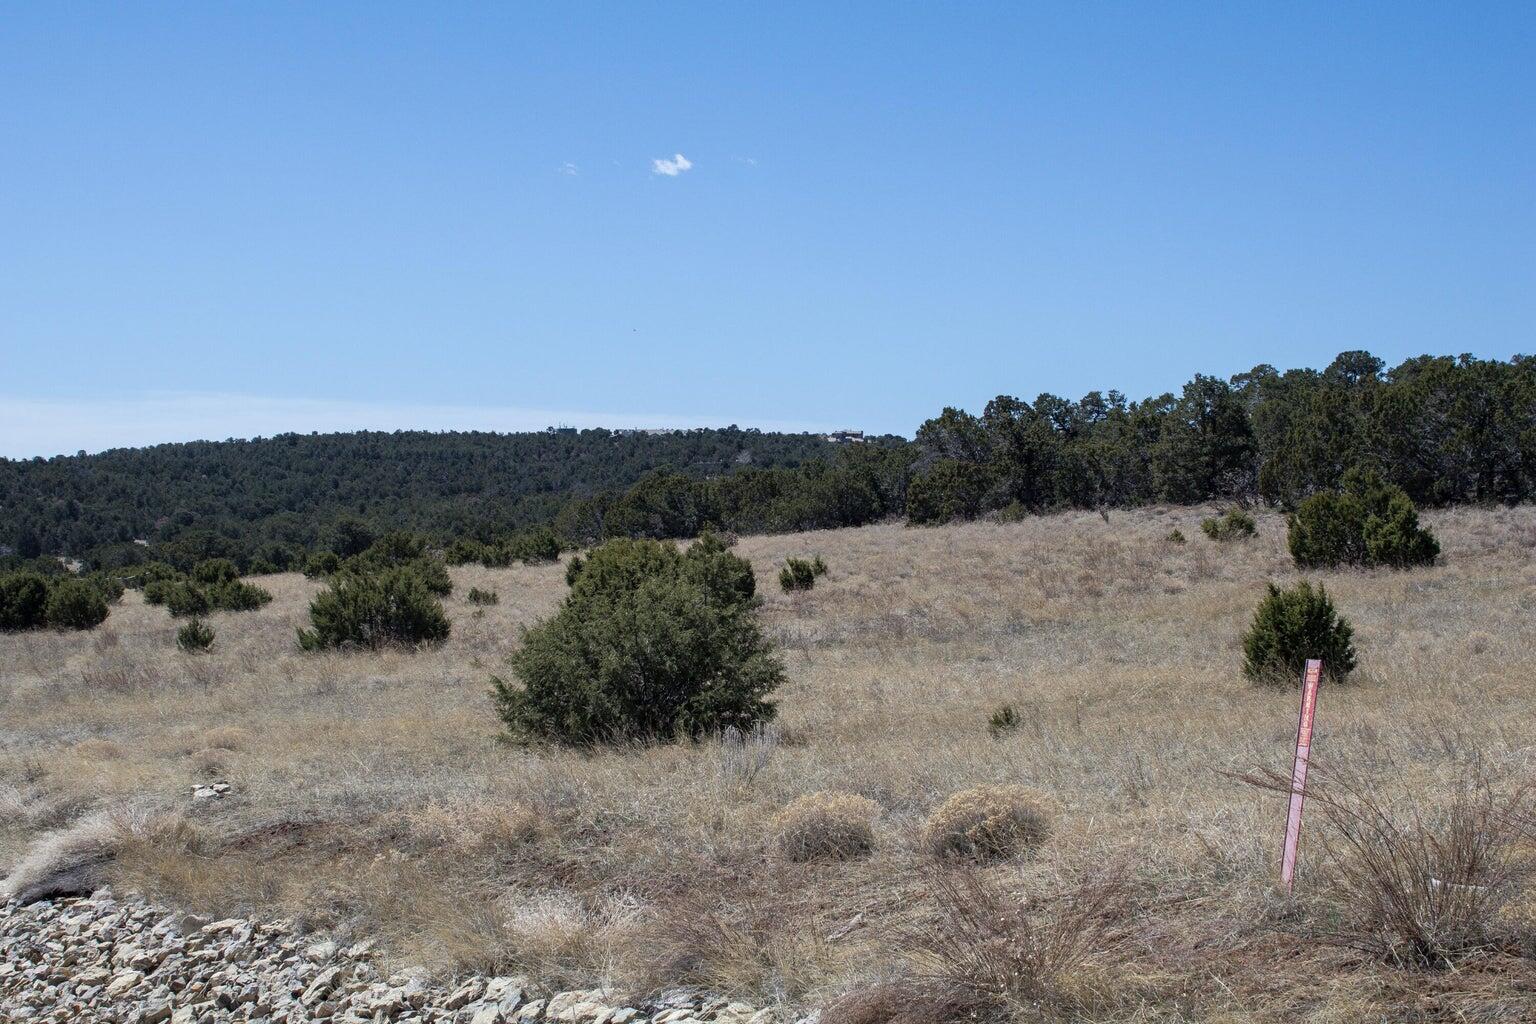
102 958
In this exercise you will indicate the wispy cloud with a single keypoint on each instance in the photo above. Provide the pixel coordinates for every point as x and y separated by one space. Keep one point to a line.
673 167
570 169
750 161
62 426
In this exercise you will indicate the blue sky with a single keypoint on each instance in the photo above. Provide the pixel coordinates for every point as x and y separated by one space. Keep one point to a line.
227 219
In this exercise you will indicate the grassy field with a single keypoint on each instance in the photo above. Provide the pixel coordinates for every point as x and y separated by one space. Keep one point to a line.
374 796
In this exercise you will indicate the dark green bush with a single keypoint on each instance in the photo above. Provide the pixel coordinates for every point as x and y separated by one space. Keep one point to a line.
464 551
1234 525
433 575
649 644
1175 536
23 600
75 604
215 570
186 598
322 563
709 561
156 591
397 547
388 607
108 585
1004 720
482 597
194 637
237 596
535 547
1368 522
573 569
1291 626
797 574
141 576
951 489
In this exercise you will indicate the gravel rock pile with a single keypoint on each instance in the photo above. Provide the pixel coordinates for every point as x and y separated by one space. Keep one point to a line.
101 958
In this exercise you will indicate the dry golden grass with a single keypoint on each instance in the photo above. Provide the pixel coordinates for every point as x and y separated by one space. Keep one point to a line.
373 795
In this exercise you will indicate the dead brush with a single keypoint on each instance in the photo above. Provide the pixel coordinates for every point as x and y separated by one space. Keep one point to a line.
1414 887
762 945
995 953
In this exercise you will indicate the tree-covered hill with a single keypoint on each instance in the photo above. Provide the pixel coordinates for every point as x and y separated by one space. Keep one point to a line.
1446 429
288 490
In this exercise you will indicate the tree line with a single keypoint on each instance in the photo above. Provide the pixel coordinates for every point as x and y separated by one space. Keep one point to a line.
1445 429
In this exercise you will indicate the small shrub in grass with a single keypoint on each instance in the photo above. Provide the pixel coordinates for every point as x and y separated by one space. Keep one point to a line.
1368 522
826 826
1291 626
215 570
573 569
797 574
1416 886
23 600
1003 721
151 572
988 823
433 575
156 591
75 604
388 607
482 597
195 637
648 644
1234 525
237 596
1175 537
109 586
185 598
995 954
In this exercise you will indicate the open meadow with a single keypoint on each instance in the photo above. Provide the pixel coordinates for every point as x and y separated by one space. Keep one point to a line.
374 795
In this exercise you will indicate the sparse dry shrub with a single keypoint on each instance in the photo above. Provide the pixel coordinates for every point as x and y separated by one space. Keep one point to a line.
722 939
97 749
907 1002
988 823
226 737
551 936
1001 955
210 762
480 826
1419 887
830 825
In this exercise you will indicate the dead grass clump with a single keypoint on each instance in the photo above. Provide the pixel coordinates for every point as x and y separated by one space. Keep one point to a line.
907 1002
1014 955
226 737
760 946
988 823
549 936
97 749
829 825
1419 888
210 762
73 860
478 826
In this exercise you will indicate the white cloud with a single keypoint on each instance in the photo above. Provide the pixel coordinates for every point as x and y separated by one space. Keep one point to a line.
62 426
750 161
673 167
568 168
